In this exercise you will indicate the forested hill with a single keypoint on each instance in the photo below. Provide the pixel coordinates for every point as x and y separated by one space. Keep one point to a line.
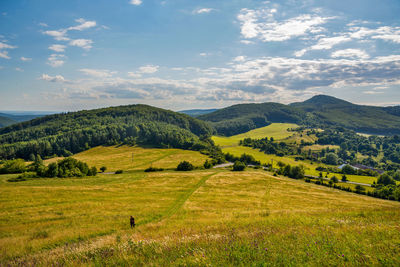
63 134
319 111
367 119
244 117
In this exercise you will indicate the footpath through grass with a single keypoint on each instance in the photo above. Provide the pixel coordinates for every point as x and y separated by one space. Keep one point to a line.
193 218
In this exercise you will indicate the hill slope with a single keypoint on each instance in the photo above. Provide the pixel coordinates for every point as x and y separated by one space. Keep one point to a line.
368 119
197 112
244 117
63 134
319 111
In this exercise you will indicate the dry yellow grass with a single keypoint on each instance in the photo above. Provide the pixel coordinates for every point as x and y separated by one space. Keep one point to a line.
136 158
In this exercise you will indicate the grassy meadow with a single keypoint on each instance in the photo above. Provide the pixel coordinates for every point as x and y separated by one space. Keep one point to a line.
136 158
279 132
210 217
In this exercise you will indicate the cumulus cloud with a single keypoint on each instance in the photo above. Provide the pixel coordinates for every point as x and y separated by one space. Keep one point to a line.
48 78
59 35
57 47
135 2
83 43
83 25
262 25
3 51
350 53
25 59
97 73
56 60
148 69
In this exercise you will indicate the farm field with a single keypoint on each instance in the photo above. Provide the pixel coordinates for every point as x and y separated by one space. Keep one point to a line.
120 157
276 130
211 217
279 130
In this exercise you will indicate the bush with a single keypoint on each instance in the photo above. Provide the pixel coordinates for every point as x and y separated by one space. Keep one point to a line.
152 169
185 166
207 164
13 166
119 171
239 166
103 168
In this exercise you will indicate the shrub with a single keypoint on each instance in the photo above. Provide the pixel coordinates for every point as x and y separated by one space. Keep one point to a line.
152 169
103 168
239 166
207 164
334 179
13 166
119 171
185 166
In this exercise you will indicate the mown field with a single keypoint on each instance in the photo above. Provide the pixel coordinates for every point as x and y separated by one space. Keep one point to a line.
136 158
211 217
279 132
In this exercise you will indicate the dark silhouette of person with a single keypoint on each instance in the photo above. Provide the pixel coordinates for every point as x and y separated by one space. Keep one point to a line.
132 222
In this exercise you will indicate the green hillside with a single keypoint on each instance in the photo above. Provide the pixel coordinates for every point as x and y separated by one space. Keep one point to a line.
319 111
368 119
63 134
245 117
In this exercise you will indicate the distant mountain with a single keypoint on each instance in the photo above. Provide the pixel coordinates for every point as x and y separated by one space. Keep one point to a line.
5 121
8 119
318 111
63 134
197 112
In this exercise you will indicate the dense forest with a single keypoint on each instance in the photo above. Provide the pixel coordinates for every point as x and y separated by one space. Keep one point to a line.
69 133
319 111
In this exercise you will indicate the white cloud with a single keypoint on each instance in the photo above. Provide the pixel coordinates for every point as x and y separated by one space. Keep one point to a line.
3 51
19 69
135 2
83 25
328 42
261 24
83 43
203 10
386 33
373 92
239 59
148 69
57 78
97 73
57 47
43 24
56 60
204 54
59 35
134 75
25 59
350 53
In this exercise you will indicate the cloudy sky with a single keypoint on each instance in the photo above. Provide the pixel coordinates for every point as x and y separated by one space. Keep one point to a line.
182 54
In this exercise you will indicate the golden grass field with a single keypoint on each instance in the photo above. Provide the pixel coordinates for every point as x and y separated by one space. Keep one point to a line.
276 130
120 157
210 217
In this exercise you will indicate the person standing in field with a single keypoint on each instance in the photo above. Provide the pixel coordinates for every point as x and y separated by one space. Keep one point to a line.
132 222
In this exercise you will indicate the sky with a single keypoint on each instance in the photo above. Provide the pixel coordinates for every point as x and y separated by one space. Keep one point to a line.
69 55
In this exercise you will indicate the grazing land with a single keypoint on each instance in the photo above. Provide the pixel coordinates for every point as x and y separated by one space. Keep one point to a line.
136 158
206 217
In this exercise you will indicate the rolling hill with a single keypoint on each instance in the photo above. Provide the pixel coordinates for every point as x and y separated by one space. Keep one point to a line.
63 134
319 111
197 112
5 121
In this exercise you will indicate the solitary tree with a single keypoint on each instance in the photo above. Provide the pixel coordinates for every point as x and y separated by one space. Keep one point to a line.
103 168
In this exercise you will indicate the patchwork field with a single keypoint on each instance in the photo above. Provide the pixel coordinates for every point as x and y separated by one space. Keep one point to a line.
136 158
279 131
198 218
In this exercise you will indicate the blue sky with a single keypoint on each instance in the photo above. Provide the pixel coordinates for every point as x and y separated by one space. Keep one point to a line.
182 54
